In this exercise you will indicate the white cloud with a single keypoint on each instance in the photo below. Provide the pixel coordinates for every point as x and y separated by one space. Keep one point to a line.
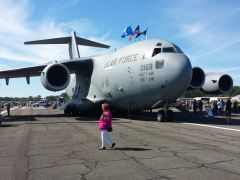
8 54
193 29
206 25
218 48
16 28
13 16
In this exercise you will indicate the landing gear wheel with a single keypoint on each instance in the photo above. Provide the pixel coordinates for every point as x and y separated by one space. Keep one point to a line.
170 115
68 111
161 116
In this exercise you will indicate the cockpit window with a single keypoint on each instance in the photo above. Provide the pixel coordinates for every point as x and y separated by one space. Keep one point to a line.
159 44
156 51
168 50
177 49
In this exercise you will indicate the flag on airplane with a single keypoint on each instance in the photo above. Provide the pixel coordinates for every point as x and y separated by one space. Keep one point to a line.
130 37
127 32
142 33
137 30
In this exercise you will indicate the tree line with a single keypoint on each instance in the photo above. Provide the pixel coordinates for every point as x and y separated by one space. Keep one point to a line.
34 98
200 93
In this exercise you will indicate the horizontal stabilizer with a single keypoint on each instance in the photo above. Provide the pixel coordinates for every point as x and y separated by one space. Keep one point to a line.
73 41
67 40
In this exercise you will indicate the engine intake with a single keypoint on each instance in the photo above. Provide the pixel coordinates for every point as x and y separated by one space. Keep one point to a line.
198 78
55 77
217 83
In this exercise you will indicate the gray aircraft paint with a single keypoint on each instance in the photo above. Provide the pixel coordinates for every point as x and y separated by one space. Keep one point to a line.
131 77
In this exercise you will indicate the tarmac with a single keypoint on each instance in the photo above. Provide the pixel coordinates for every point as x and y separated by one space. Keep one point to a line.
40 143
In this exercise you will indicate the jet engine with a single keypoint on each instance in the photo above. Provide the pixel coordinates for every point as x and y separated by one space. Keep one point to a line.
55 77
217 83
198 78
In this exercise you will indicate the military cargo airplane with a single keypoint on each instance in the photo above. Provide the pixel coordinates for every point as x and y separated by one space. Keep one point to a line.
143 75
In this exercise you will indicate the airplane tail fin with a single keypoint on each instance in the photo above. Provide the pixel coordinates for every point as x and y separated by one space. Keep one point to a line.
73 41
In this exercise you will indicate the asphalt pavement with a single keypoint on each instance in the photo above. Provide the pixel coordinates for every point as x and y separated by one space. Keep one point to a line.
41 144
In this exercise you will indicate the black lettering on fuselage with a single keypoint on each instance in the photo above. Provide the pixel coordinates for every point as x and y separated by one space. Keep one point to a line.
127 59
146 67
121 60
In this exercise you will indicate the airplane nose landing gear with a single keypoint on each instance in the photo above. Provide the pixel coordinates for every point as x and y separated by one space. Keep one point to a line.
69 111
165 115
161 116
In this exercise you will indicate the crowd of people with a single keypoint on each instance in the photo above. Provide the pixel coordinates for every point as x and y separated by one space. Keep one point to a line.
219 107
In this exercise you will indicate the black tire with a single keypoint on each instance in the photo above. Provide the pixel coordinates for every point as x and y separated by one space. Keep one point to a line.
1 118
68 111
161 116
170 115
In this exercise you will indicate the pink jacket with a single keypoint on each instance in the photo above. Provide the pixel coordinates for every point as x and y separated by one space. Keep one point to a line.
105 120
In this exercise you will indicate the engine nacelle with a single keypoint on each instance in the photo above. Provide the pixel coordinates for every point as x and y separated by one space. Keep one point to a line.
198 78
217 83
55 77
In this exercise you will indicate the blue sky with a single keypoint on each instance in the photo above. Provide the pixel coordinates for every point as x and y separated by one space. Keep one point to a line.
207 31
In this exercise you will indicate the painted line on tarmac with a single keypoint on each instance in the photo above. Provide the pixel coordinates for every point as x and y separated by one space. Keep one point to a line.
40 107
24 108
3 112
216 127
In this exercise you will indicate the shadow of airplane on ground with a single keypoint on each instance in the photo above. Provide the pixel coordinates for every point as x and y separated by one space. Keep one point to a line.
183 117
13 118
180 117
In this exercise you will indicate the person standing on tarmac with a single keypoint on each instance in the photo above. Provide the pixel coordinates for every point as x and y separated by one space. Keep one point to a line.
220 107
228 110
235 106
200 106
0 113
105 126
195 106
215 108
8 108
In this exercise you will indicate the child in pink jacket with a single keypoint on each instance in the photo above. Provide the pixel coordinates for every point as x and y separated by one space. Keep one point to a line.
105 125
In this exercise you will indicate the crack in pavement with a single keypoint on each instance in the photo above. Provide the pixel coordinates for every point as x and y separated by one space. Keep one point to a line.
206 165
129 157
70 157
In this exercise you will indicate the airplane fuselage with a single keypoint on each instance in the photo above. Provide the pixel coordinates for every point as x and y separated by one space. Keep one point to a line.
134 77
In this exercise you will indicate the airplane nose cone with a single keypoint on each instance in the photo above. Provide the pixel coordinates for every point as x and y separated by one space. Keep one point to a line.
180 73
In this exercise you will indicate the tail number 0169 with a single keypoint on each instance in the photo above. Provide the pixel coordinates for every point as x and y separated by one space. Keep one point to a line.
146 67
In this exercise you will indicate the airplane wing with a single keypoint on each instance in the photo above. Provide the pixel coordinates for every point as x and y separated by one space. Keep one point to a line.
27 72
22 72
